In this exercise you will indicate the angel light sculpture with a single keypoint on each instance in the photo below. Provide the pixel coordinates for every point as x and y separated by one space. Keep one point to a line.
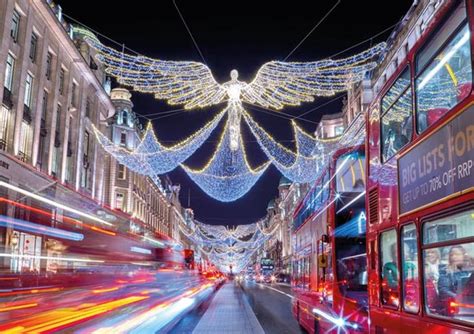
227 176
277 84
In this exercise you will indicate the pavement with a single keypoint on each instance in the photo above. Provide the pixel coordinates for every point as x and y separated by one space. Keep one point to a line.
229 313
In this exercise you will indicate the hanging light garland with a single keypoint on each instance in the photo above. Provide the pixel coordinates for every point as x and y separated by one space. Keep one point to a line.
227 176
150 157
228 246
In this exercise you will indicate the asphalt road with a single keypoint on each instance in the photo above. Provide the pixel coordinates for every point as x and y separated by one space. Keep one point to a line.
271 304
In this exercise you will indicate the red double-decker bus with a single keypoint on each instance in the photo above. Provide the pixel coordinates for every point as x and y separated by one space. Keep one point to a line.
329 278
420 199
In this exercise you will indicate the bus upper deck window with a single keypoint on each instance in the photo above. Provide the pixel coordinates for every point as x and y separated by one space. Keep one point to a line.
396 127
443 70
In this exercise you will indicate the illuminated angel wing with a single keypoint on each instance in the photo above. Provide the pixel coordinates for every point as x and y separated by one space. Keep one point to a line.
179 82
280 83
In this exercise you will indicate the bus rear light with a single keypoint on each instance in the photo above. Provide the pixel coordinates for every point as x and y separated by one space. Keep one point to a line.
453 308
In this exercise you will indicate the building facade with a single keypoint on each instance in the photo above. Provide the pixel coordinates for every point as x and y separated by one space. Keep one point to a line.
52 168
140 196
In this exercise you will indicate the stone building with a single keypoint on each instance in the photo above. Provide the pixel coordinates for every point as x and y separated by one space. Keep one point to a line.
53 94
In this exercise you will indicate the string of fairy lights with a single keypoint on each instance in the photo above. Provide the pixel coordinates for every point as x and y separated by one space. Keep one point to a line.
228 176
227 247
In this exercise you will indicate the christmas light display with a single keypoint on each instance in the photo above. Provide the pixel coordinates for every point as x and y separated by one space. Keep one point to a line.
228 176
150 157
228 246
300 166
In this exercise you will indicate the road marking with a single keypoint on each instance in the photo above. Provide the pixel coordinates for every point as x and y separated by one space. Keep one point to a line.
269 287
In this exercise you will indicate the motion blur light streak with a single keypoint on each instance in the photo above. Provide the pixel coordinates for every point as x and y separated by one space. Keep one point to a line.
74 259
40 229
98 291
17 307
26 292
66 219
53 203
157 316
140 250
57 319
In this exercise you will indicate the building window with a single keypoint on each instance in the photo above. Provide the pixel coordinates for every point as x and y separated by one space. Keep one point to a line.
69 153
57 133
61 81
122 172
389 261
85 161
28 90
74 95
8 84
14 32
120 201
41 146
396 116
24 150
410 281
125 117
4 123
27 249
88 108
33 47
339 130
123 138
49 64
55 161
44 108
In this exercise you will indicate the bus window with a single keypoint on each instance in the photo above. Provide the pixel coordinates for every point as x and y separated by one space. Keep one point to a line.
350 227
350 176
396 129
410 269
444 76
389 261
449 268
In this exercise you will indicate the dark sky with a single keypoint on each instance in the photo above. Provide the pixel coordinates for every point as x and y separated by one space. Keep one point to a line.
241 35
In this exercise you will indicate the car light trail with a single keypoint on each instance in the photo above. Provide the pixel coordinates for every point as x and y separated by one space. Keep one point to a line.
66 219
98 291
22 225
53 203
58 319
29 291
17 307
74 259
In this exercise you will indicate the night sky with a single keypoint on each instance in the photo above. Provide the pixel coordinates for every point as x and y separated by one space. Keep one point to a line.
240 35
